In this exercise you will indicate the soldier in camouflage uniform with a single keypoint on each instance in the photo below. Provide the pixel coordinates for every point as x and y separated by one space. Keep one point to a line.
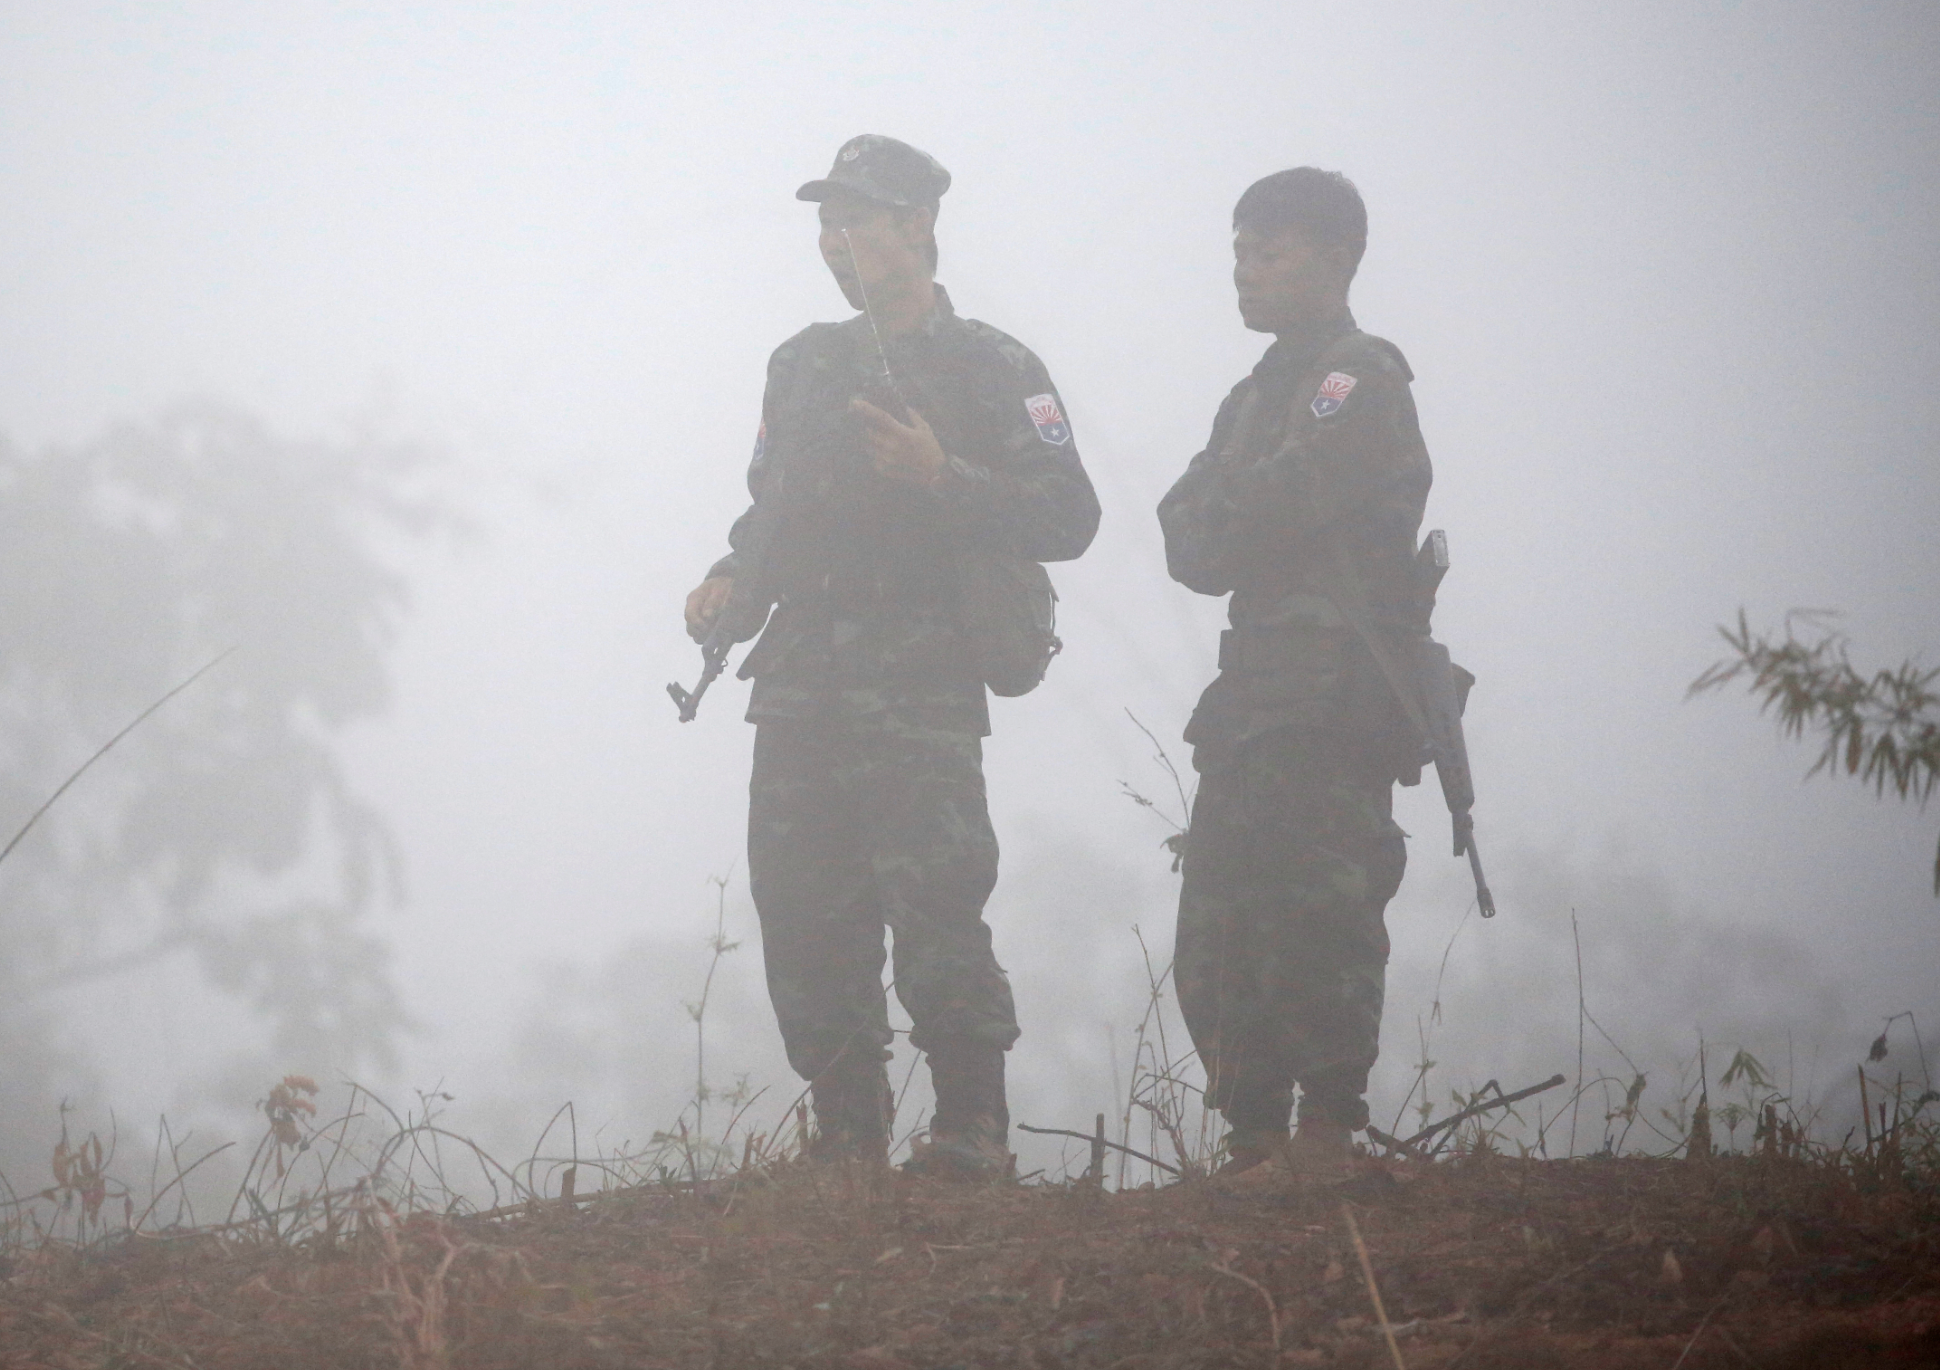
1310 492
867 800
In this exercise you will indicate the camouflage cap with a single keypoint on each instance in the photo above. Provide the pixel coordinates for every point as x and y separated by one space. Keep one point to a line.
882 169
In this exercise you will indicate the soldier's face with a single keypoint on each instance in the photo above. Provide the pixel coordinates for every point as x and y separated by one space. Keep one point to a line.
1284 279
888 246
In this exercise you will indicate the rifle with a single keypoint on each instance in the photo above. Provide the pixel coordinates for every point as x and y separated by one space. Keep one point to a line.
1444 694
722 636
1431 689
714 654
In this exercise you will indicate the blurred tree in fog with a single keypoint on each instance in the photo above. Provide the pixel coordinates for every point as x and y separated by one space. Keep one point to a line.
1883 727
221 836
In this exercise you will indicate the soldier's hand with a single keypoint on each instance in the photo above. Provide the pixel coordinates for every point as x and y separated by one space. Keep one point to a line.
704 605
908 452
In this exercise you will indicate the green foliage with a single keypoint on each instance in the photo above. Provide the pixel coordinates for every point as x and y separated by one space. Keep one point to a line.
1883 727
223 830
1745 1066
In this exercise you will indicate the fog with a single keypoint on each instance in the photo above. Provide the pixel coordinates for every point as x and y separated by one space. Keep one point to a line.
1666 274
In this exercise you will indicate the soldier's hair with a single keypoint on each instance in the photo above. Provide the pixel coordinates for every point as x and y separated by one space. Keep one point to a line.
1324 205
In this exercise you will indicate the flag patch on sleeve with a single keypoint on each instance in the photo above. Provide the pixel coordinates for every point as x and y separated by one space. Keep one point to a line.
1049 419
1333 394
760 443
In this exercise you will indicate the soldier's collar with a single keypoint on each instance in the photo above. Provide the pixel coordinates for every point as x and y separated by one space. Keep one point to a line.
1296 349
943 313
940 316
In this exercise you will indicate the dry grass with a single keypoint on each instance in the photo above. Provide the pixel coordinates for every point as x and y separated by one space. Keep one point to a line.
1483 1261
363 1236
350 1241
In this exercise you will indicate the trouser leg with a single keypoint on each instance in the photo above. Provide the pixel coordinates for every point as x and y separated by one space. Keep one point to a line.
934 860
969 1080
821 924
1222 897
934 857
1282 946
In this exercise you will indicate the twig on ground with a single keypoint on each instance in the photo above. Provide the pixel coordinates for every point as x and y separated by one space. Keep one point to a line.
1703 1323
1731 1344
1412 1144
1582 1011
1272 1309
1373 1289
1500 1100
1088 1137
1393 1143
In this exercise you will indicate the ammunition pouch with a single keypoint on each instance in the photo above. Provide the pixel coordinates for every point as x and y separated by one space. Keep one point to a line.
1009 618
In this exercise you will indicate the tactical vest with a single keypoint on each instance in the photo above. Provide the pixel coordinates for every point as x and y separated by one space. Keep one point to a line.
1291 659
851 547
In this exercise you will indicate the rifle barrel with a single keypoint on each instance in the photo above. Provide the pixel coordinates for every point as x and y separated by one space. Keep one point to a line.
1483 898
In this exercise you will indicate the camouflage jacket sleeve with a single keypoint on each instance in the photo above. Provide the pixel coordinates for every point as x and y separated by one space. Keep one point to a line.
1201 508
1029 494
1361 464
761 472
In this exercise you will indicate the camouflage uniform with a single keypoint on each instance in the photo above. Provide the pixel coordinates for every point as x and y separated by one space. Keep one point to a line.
1316 471
867 798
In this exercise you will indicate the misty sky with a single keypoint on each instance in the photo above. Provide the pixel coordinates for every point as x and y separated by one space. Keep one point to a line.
1667 274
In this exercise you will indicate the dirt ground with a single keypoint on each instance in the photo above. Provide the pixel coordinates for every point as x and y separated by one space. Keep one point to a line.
1483 1262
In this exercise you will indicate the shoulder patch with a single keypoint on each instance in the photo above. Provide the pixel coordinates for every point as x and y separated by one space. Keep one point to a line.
1333 393
1049 419
760 443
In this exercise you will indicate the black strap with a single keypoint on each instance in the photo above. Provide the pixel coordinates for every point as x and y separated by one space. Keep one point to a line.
1342 584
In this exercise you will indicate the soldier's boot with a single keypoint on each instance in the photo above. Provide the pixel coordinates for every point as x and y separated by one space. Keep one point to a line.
852 1107
970 1132
1259 1133
1248 1149
1324 1140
